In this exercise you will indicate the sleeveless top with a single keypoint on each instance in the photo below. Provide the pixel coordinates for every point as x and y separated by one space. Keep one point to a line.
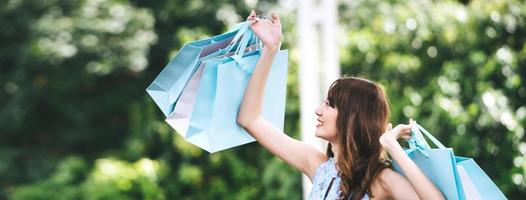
326 182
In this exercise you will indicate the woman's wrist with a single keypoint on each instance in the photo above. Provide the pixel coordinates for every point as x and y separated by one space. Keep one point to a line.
271 48
389 145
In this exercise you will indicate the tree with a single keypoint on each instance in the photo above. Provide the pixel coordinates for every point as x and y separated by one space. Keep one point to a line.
77 123
456 69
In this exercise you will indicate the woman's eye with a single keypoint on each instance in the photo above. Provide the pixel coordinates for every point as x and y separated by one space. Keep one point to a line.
327 103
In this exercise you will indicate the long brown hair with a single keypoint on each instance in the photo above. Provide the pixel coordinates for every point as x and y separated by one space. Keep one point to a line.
363 112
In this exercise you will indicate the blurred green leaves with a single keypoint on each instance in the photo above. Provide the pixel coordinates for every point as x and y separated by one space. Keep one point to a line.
75 121
452 67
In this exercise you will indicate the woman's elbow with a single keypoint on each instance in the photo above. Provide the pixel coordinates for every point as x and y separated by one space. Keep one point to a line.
246 121
243 121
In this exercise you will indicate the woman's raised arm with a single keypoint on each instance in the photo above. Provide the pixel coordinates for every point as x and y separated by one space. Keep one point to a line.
296 153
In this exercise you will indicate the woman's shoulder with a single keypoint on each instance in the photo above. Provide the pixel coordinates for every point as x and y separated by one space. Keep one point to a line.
388 183
322 164
318 160
389 175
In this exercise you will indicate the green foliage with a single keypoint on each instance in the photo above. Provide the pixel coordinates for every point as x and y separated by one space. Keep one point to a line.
76 122
458 70
61 184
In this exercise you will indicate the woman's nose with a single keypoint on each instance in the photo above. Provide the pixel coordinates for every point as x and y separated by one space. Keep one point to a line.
318 111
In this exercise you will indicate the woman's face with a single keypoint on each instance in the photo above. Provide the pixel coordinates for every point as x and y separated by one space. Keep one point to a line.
326 123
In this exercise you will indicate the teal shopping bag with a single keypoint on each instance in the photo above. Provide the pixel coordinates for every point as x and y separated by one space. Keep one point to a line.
179 119
483 185
200 116
438 164
213 125
486 189
232 79
168 85
478 184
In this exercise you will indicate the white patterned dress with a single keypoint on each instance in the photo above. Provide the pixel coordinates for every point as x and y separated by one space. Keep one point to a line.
326 182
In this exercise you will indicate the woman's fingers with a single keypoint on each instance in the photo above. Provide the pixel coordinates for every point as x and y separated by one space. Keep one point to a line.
274 17
402 131
402 127
252 15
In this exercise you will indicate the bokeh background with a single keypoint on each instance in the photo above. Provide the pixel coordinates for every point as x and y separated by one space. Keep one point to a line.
76 122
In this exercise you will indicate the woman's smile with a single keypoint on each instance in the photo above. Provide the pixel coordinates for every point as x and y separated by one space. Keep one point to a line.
320 123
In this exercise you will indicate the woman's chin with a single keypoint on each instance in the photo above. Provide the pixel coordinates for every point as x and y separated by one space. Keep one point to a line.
319 134
324 135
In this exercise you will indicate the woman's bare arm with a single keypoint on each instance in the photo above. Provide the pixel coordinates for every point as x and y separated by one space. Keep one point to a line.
392 185
296 153
418 180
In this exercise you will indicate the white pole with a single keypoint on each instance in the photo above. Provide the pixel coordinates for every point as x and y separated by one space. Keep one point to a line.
318 65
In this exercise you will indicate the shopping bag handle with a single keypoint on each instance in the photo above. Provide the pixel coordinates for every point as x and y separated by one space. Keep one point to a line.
243 32
240 50
430 136
247 39
417 139
417 142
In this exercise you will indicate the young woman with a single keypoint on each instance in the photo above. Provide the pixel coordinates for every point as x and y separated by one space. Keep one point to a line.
353 119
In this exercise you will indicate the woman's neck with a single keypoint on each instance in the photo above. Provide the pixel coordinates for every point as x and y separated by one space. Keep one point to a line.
335 151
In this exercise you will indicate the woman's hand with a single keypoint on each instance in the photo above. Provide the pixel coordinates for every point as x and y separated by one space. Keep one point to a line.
388 140
268 30
421 184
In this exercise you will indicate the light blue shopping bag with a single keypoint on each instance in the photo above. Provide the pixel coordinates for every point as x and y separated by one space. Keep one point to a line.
168 85
486 189
483 186
213 125
179 119
438 164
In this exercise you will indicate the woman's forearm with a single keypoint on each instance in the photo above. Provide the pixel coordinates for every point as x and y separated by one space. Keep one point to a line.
253 99
422 185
